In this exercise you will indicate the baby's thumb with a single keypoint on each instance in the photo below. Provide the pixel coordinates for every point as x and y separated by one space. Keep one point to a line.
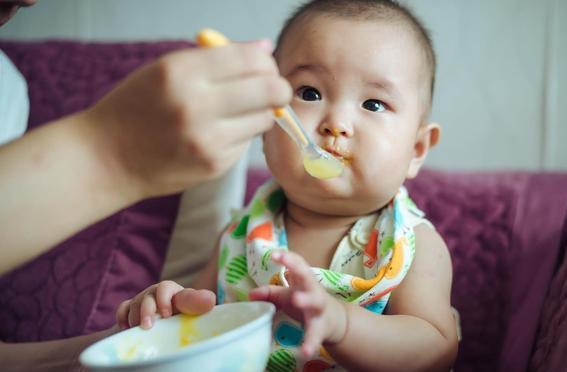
271 293
193 302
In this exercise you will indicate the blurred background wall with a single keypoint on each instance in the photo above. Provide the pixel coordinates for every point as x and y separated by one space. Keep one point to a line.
501 83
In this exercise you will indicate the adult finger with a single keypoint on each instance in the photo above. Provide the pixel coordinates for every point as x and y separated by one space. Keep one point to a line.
241 129
228 62
237 96
193 302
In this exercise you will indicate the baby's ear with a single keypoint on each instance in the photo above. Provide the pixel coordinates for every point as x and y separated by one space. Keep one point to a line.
427 137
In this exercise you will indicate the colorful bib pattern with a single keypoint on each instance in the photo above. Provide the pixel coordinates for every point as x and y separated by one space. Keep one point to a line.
369 263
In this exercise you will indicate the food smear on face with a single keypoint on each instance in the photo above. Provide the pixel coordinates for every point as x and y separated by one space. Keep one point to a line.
322 168
188 332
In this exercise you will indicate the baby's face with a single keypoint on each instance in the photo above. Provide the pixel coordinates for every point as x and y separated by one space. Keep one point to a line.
359 92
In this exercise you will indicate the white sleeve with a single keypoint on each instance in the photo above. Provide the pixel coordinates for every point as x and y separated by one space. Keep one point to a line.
204 211
14 103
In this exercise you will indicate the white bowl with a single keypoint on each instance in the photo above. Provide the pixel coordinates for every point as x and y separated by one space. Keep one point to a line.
231 337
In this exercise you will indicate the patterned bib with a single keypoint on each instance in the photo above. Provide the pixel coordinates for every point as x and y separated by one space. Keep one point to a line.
368 264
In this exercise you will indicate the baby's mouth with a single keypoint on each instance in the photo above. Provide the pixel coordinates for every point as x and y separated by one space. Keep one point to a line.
340 154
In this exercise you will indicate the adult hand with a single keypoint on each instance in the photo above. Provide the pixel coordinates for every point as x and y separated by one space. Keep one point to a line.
189 116
172 124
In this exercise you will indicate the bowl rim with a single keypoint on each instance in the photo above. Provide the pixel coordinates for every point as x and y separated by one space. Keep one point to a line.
185 351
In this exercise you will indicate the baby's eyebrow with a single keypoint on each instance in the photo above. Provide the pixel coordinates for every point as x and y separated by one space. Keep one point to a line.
308 68
386 86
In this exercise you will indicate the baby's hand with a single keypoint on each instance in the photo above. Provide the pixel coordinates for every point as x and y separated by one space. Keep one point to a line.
165 298
323 317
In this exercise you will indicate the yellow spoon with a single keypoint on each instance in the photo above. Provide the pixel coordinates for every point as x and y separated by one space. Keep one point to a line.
316 161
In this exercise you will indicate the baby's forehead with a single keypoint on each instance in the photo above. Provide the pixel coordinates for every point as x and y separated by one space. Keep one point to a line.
406 32
308 27
375 42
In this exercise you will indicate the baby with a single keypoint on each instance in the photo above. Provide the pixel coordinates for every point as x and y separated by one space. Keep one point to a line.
360 278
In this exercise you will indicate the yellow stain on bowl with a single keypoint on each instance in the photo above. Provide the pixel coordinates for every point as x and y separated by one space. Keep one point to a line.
127 352
130 353
188 332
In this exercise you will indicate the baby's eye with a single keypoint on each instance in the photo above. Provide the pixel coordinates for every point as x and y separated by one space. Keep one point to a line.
309 94
374 105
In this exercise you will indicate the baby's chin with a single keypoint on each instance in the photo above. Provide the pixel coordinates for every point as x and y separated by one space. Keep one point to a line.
338 207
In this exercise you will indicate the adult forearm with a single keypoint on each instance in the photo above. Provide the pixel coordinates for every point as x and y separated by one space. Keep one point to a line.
392 343
58 355
53 182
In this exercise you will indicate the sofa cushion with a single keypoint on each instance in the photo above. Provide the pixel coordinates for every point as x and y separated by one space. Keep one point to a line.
74 288
550 350
503 231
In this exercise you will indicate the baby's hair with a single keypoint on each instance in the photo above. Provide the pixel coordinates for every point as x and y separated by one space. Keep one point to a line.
368 10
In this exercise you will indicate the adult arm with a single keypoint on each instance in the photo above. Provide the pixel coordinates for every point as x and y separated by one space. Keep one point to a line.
47 356
170 125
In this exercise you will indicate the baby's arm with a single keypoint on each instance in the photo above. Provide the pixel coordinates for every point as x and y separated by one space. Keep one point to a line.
419 332
167 298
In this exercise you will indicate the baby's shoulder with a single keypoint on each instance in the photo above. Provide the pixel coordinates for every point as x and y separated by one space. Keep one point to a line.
430 248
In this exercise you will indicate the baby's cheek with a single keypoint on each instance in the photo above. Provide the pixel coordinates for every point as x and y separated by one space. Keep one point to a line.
280 150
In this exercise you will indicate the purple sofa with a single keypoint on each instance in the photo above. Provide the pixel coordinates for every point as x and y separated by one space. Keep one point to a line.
507 232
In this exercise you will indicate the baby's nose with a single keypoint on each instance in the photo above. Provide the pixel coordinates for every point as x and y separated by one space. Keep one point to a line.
336 131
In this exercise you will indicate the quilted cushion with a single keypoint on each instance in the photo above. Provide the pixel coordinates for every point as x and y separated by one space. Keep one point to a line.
503 232
74 288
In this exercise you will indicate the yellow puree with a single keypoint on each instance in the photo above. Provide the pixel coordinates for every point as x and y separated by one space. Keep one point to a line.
187 331
322 168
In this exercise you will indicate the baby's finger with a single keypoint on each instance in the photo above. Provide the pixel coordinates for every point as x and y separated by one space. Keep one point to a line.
193 302
134 313
300 272
164 297
313 336
271 293
309 300
122 314
148 310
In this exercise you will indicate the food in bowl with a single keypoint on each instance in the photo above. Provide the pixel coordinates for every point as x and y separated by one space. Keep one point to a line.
233 337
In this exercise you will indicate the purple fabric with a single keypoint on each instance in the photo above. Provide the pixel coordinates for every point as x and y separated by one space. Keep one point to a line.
503 231
551 347
74 288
